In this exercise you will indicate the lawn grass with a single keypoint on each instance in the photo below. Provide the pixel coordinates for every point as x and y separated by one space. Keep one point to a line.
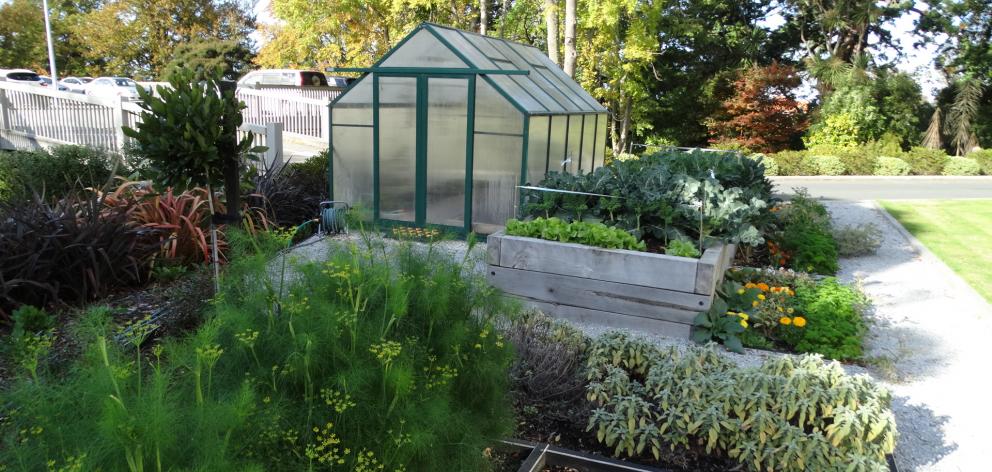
957 231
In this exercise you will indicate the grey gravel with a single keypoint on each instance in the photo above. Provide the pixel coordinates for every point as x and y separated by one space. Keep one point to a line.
931 344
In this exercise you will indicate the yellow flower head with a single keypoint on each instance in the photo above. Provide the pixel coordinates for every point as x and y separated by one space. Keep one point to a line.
740 291
749 285
790 311
799 321
785 320
754 303
761 296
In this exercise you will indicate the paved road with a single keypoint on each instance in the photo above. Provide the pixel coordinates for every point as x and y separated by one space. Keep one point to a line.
892 188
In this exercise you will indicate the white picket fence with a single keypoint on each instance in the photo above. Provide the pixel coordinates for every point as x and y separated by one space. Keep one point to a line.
35 117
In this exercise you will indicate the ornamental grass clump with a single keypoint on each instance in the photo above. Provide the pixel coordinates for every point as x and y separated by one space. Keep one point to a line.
789 414
376 358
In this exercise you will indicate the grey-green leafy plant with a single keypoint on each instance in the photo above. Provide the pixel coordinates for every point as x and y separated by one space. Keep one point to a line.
857 240
789 414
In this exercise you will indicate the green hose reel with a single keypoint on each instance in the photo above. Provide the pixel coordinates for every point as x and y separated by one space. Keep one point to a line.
332 217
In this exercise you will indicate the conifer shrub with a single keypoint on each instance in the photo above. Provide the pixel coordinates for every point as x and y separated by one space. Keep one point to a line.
373 359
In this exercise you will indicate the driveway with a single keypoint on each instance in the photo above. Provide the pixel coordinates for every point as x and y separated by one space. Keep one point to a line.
856 188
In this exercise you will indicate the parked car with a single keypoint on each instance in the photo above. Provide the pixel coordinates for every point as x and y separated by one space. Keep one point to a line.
284 77
20 76
122 87
47 82
76 84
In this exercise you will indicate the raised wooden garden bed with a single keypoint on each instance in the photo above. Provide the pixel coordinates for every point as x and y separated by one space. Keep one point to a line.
613 287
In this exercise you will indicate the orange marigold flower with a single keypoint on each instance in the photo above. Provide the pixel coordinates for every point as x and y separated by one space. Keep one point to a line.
799 321
763 286
785 320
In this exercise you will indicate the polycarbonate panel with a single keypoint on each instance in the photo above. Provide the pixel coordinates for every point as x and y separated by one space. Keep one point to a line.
562 103
586 101
495 176
353 165
493 113
484 45
549 103
601 129
512 89
556 152
537 149
511 55
467 49
447 122
574 151
355 107
562 92
588 136
423 50
397 147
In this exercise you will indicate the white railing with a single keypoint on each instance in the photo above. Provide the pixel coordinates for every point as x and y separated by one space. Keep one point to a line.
299 115
317 93
35 117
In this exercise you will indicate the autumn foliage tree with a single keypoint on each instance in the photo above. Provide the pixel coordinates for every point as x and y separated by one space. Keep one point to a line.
763 113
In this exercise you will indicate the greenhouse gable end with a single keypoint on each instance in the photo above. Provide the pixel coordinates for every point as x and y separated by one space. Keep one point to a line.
446 126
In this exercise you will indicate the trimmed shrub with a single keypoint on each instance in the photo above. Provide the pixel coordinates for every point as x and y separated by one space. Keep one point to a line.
805 236
856 160
771 167
829 165
789 414
957 165
794 163
55 173
924 161
892 166
984 158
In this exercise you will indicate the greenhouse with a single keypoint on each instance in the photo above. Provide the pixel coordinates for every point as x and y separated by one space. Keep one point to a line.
446 127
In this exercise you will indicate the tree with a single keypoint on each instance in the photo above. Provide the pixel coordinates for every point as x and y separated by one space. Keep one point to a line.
836 33
189 136
351 33
22 35
568 64
551 25
763 114
139 37
963 113
205 56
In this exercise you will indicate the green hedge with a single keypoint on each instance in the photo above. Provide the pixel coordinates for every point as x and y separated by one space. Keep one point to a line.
867 160
54 173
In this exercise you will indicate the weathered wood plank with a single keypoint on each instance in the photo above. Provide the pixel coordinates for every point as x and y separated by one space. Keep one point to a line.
613 297
612 320
708 269
611 265
492 249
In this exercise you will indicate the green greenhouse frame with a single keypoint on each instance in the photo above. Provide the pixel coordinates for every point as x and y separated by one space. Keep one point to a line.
448 125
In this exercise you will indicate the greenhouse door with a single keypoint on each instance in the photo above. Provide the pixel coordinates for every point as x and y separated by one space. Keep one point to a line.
423 133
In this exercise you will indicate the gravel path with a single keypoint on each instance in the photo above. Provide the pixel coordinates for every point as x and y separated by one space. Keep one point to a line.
931 342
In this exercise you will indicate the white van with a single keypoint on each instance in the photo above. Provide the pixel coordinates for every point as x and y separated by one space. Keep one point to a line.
283 77
21 76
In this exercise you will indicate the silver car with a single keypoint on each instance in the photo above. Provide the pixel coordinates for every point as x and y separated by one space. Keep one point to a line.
109 87
20 76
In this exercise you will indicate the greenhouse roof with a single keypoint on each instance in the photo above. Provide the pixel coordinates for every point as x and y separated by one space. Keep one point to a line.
523 74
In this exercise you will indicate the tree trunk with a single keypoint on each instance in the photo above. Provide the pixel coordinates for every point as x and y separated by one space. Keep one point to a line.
483 17
570 20
504 11
232 191
551 19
